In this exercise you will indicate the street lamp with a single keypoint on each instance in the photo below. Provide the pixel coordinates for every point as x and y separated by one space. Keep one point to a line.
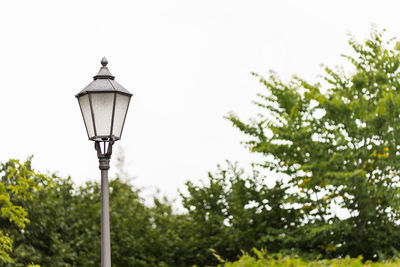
104 104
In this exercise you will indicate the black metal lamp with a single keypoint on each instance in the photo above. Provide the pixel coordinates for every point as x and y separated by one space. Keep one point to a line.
104 104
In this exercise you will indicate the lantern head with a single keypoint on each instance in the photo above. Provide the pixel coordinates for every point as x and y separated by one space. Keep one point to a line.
104 104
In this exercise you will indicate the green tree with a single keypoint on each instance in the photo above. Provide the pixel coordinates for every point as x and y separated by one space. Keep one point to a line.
235 212
65 228
50 237
338 142
18 183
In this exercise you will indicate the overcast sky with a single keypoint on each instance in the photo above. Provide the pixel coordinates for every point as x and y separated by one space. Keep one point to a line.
187 63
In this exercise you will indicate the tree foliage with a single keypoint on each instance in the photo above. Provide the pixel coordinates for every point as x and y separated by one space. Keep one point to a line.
263 259
235 212
64 228
18 183
231 213
338 142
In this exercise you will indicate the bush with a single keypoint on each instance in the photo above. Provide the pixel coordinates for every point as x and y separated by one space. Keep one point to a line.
260 259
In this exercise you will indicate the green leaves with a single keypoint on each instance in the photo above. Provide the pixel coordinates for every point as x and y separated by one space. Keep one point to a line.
64 228
18 182
235 212
338 142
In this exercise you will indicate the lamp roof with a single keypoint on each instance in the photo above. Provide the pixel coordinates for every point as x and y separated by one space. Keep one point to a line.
104 82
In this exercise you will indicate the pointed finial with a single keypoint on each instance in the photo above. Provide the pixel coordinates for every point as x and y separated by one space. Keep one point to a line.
104 73
104 61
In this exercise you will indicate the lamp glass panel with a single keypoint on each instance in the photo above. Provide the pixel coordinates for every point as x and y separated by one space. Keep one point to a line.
87 114
102 104
121 107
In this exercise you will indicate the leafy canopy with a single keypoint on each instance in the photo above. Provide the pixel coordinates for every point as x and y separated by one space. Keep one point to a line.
235 212
18 182
338 143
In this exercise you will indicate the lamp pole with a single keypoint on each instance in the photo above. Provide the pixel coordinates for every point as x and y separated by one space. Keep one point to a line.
104 166
104 104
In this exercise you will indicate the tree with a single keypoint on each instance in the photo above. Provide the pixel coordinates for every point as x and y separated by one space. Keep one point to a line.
50 237
18 183
234 213
338 142
65 228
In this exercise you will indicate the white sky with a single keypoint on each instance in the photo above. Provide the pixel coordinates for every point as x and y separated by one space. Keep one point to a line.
187 63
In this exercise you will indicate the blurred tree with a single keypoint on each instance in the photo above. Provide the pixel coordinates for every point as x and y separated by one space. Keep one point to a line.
122 166
65 228
234 213
338 142
18 183
48 240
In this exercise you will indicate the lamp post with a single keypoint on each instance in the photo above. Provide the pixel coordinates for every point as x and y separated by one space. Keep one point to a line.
104 104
